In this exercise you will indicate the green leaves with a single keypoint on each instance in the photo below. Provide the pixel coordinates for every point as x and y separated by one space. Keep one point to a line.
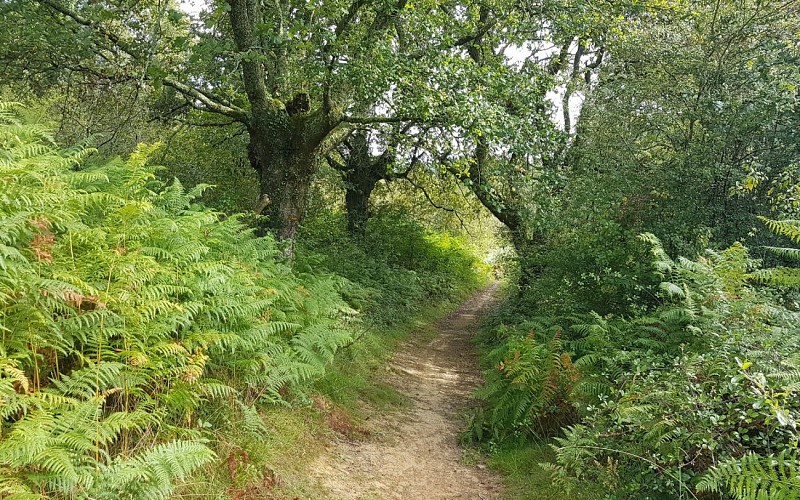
153 473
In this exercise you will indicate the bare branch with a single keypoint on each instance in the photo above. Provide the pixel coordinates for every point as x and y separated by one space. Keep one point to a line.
207 124
560 62
428 196
59 7
477 36
236 134
598 59
434 204
352 11
172 113
335 164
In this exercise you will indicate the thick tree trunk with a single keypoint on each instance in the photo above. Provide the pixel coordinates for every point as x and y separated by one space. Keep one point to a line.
285 149
356 200
361 172
285 139
287 189
286 166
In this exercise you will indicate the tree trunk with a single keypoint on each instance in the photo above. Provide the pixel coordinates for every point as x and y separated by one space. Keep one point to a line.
356 200
286 162
526 240
529 269
286 184
285 139
361 172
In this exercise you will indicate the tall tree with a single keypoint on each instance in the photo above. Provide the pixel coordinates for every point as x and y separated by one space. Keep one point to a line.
513 154
510 153
287 71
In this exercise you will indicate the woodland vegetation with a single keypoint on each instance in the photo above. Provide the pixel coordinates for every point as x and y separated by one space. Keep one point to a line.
216 212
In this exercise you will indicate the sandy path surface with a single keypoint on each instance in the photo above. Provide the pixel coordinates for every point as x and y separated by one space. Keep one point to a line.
414 454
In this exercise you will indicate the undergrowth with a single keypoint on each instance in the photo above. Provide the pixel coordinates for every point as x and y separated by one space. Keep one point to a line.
695 396
147 340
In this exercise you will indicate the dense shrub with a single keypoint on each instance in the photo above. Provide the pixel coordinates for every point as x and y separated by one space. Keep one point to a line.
601 268
697 394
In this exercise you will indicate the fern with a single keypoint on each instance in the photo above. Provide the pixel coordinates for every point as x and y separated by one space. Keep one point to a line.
695 394
125 307
787 228
755 477
151 474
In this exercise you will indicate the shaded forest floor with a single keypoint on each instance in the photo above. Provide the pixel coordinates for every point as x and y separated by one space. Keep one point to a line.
414 453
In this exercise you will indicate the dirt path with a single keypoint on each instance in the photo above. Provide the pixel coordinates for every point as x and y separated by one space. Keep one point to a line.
415 454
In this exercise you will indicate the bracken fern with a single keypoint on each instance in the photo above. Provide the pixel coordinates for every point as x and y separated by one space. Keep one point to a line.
123 307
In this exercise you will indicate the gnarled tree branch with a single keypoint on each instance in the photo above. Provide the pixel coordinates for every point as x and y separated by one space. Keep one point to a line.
208 104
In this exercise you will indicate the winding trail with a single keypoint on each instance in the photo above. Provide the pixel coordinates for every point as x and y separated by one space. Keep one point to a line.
414 454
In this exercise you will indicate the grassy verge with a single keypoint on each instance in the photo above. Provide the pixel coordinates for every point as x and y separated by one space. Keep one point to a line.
524 479
268 455
351 382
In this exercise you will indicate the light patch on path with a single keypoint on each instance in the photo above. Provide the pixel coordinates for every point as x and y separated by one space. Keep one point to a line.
415 454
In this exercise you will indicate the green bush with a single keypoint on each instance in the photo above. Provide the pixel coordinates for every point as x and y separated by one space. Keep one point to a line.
399 267
582 272
696 394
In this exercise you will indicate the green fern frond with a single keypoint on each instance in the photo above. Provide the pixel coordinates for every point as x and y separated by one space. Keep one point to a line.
153 473
779 276
788 228
754 477
785 253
